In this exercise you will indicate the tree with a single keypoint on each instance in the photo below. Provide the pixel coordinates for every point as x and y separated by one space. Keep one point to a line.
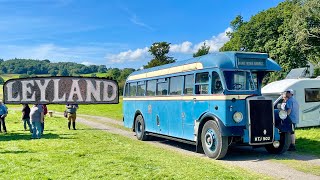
113 73
64 72
53 72
1 81
102 69
159 51
306 27
203 50
24 76
270 31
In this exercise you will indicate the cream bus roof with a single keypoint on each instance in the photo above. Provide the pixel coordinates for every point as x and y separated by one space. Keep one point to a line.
223 60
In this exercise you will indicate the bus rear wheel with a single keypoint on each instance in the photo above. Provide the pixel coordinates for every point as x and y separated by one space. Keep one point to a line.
139 128
284 143
213 143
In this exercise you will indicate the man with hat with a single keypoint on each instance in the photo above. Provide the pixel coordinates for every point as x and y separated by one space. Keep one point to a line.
292 108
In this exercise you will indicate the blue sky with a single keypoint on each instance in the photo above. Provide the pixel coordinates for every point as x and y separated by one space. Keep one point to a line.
116 33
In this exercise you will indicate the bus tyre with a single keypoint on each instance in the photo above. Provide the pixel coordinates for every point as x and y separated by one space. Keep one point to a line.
213 143
285 141
139 128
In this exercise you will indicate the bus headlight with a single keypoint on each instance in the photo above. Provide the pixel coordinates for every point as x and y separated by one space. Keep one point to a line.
237 117
283 114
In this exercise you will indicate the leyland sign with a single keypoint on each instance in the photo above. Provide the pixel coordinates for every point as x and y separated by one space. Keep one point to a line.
61 90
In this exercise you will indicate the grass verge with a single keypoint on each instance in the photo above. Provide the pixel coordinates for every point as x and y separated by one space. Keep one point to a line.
92 154
308 168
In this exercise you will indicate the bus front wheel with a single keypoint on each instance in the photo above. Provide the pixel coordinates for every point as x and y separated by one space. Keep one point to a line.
213 143
139 128
285 141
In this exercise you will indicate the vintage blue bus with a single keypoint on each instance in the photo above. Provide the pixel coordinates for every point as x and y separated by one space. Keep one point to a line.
210 101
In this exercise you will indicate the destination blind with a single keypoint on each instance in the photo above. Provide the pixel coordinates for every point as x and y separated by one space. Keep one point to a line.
255 62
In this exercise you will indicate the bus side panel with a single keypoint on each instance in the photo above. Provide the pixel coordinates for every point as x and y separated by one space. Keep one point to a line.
128 113
175 118
148 111
162 115
188 108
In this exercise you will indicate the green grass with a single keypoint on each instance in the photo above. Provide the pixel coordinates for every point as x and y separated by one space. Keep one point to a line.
113 111
308 141
97 74
93 154
9 76
300 166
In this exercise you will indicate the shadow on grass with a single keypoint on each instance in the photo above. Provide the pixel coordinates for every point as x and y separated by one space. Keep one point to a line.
14 152
24 136
249 153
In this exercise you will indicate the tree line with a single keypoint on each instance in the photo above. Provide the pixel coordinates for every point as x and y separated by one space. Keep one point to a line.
289 33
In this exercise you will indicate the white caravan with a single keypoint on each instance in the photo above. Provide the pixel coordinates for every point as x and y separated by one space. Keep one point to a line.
306 92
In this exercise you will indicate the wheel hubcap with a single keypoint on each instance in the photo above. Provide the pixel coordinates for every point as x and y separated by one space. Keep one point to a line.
139 127
210 140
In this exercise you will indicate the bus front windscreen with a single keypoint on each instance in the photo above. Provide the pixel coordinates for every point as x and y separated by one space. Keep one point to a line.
239 81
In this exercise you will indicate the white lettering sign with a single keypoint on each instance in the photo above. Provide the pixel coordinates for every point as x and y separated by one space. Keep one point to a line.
61 90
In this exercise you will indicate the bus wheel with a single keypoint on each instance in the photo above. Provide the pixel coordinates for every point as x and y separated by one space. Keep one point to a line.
283 146
139 128
213 143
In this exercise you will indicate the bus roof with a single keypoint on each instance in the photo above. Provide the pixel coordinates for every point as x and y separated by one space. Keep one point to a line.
222 60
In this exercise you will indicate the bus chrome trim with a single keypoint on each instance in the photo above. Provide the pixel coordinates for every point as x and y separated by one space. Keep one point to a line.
257 98
172 138
196 98
172 70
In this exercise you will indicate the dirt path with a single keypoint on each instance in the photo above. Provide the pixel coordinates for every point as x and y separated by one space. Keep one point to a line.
256 160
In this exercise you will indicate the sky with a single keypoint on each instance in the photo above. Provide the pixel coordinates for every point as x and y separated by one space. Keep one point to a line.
116 33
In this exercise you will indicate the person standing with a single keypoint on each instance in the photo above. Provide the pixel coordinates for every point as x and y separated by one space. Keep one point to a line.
45 111
292 108
3 115
72 114
36 117
26 117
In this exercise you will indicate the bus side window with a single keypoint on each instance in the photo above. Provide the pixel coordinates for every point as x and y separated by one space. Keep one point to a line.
151 87
141 88
188 84
126 93
133 89
162 87
216 87
176 85
202 83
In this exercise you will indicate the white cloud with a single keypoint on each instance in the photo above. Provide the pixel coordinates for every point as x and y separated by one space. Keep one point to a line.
186 47
87 63
216 42
53 52
130 55
135 20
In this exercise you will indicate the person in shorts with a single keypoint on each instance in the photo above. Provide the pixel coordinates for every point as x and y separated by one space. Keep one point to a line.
292 108
72 114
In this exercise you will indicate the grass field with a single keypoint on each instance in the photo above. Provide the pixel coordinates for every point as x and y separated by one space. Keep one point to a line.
93 154
113 111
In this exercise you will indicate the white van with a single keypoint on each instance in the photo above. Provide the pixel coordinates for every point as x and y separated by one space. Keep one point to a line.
306 92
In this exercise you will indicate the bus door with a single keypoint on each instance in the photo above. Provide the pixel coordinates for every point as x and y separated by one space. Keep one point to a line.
175 107
187 107
162 110
199 104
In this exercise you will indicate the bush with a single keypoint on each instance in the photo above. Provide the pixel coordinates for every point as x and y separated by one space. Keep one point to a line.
24 76
317 71
1 80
